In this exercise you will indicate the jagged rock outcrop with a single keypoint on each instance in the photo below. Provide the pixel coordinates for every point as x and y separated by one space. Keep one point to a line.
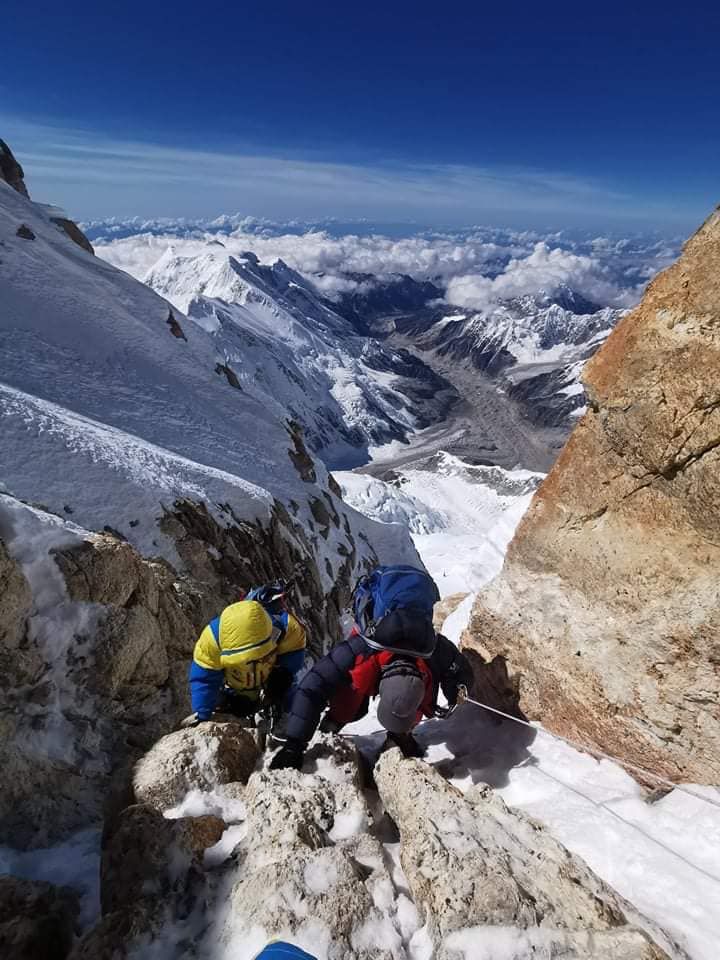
74 232
151 868
297 876
198 758
300 856
96 652
470 861
301 871
37 920
606 616
299 455
145 853
11 171
224 560
97 647
445 607
15 601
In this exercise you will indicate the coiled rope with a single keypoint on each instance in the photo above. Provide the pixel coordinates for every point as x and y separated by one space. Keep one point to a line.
464 698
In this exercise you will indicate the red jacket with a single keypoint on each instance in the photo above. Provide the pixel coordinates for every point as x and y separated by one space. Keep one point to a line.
348 703
348 676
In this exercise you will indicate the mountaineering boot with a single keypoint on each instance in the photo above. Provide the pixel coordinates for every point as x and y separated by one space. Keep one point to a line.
328 725
407 743
288 757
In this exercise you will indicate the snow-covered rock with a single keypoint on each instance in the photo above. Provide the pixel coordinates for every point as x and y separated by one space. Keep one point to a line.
202 757
296 876
470 861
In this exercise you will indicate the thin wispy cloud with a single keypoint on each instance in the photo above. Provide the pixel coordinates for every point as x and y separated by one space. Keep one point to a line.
100 176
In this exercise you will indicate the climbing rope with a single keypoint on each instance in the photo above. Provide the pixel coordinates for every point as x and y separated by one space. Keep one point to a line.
464 698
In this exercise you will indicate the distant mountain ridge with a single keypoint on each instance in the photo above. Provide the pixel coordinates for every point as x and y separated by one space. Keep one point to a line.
287 344
533 347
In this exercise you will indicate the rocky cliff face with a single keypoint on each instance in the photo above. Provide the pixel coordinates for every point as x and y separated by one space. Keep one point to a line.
97 640
605 620
12 173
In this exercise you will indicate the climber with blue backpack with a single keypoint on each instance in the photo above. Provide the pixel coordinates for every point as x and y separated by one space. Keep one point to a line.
393 653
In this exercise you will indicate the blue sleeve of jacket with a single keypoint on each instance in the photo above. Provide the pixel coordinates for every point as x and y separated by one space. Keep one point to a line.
204 689
292 661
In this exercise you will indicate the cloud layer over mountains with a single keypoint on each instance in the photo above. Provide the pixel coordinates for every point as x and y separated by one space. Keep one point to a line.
476 267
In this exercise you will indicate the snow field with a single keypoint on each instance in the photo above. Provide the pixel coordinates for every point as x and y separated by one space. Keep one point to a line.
663 857
461 518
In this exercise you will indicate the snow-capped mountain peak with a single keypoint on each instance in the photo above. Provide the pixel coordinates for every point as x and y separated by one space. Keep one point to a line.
290 349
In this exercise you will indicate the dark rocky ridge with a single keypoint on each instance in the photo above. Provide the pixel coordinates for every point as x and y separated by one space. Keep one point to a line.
506 413
12 173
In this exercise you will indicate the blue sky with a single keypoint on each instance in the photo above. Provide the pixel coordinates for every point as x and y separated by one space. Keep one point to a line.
545 115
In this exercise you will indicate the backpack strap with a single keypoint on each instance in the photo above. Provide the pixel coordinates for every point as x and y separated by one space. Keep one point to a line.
280 621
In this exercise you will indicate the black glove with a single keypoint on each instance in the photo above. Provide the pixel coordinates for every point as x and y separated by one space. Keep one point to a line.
278 684
328 725
238 705
289 758
409 746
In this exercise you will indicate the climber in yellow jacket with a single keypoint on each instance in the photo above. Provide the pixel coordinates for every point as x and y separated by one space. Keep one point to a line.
254 646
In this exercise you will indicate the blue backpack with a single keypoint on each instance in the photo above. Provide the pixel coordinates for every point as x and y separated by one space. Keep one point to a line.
400 587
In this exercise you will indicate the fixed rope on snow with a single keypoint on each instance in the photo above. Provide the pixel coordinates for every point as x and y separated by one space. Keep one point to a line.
464 698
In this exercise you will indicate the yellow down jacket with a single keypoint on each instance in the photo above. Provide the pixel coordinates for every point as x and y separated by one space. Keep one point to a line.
240 648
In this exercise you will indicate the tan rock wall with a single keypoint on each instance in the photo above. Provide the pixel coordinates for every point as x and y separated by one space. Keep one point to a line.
95 670
607 611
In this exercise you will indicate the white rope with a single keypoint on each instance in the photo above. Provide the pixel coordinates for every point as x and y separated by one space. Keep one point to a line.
595 753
